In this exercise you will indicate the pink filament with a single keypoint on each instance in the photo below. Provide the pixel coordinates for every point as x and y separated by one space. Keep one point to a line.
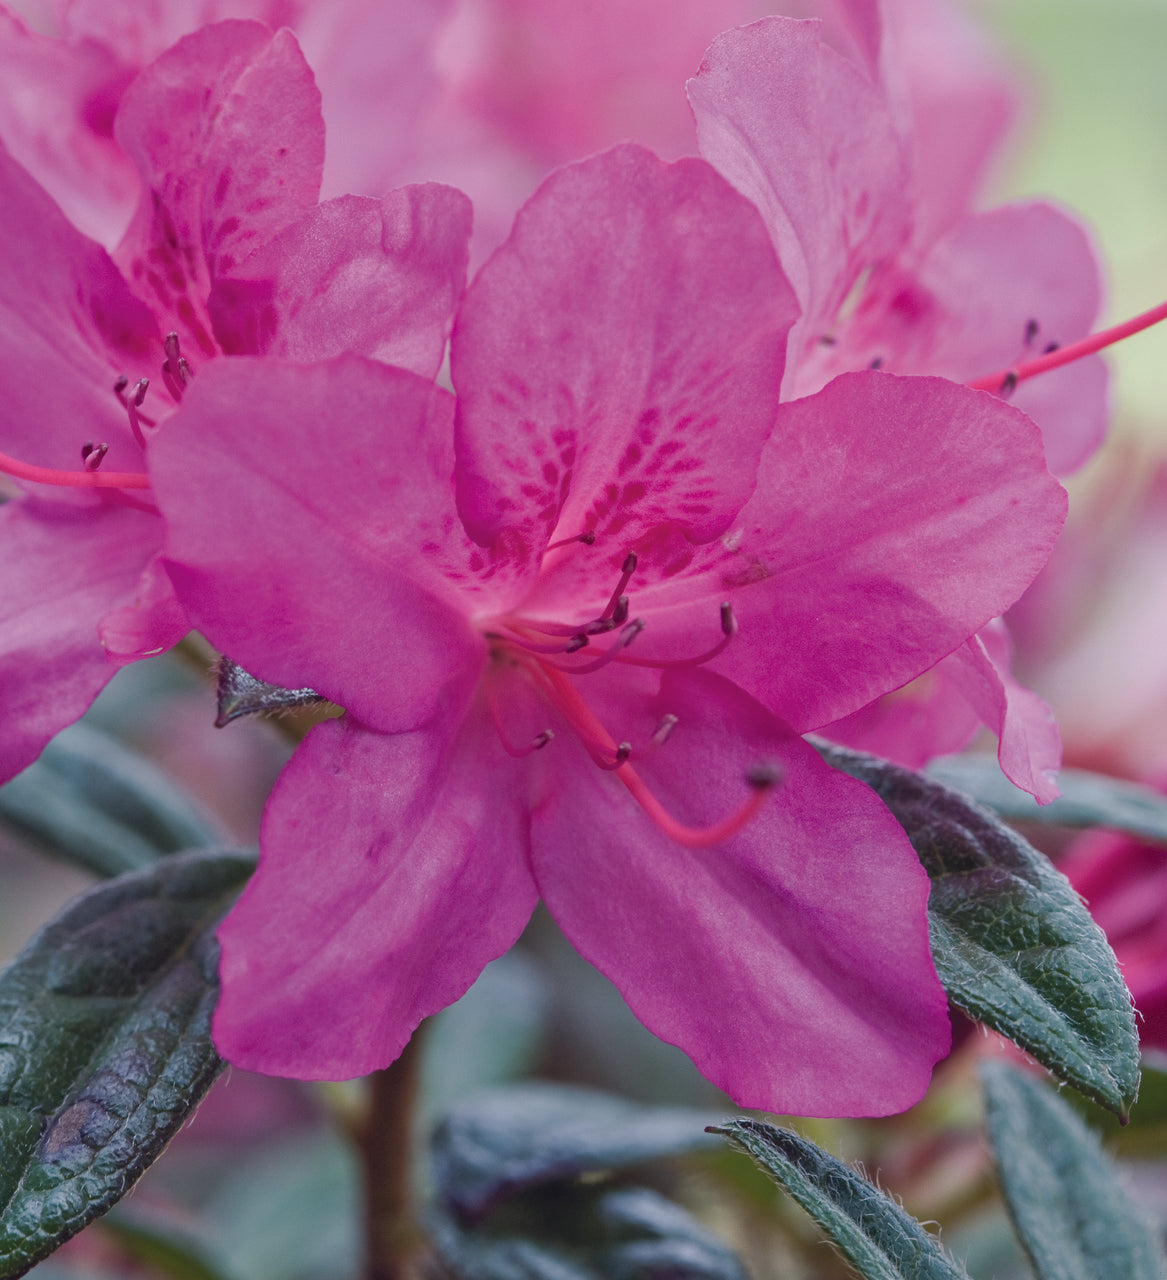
1068 354
74 479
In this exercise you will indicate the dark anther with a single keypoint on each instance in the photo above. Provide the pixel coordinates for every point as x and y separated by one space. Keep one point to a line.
1008 383
764 776
577 642
1031 328
1050 348
631 560
170 346
828 339
661 734
620 613
92 454
623 751
588 539
542 739
728 621
140 389
120 385
877 363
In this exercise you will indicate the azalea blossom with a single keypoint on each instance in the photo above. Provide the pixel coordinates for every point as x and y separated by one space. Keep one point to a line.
843 156
229 253
577 619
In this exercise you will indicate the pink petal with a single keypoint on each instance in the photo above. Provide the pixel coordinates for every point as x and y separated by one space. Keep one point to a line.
143 29
378 278
329 556
563 79
790 962
64 565
154 623
928 717
57 103
893 518
1030 750
393 870
804 134
618 360
226 132
68 328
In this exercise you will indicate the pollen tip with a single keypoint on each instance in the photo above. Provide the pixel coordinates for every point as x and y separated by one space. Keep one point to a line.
1008 383
876 363
631 560
1050 348
764 775
121 384
623 751
589 538
1031 331
728 621
576 642
542 739
620 613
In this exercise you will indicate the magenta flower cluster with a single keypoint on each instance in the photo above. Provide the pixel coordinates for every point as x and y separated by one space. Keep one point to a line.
702 478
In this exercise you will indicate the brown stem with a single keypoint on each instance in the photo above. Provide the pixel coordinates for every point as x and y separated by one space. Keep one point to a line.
385 1145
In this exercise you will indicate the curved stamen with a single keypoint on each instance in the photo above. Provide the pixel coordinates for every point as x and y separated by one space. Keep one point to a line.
728 631
611 654
761 779
92 454
521 636
537 743
73 479
1007 379
664 730
623 751
588 539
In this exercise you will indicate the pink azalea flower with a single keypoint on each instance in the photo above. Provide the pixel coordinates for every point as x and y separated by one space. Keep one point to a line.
843 158
568 619
229 252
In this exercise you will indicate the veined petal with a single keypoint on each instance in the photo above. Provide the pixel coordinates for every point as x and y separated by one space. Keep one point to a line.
155 622
893 518
791 962
68 327
618 360
64 566
394 868
379 278
810 139
225 129
311 530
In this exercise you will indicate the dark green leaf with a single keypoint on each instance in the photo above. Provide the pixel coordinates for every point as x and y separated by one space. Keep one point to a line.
1087 800
1013 943
876 1236
1072 1213
105 1044
504 1140
241 694
90 801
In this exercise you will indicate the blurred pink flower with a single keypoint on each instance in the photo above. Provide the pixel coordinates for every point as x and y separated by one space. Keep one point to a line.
1125 885
229 252
617 501
864 167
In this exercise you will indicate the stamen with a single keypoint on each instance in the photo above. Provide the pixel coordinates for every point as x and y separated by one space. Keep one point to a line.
761 779
877 363
588 539
611 654
521 636
664 730
537 743
627 569
728 631
73 479
132 403
623 751
1031 331
92 454
1068 354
